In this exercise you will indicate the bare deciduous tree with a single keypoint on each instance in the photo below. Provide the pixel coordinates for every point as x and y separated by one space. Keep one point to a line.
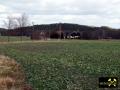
16 22
10 22
23 20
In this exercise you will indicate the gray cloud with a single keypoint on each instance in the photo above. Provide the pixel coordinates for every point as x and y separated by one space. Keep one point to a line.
90 12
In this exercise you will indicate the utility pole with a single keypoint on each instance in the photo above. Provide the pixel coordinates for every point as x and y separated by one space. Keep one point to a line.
103 34
21 34
49 31
60 30
32 29
8 36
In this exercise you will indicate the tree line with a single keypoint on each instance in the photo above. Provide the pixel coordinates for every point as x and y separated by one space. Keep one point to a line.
20 27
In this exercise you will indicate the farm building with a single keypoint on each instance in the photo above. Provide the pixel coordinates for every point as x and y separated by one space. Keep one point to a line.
39 35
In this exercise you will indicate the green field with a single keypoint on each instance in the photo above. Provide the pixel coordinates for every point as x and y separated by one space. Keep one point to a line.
13 38
66 65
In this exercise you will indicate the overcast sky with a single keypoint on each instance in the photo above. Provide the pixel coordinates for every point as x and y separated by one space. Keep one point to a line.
85 12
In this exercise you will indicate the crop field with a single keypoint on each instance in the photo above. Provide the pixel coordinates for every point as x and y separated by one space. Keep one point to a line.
67 64
13 38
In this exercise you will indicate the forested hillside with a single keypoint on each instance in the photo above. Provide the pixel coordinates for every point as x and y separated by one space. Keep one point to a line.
85 32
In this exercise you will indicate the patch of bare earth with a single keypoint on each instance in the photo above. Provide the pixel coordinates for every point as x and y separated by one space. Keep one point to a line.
11 75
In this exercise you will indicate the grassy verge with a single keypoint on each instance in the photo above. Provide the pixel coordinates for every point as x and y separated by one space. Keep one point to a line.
13 38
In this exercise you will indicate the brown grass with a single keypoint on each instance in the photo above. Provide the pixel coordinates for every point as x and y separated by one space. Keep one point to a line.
11 75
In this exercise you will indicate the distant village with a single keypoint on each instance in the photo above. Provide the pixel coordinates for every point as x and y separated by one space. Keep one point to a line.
63 31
